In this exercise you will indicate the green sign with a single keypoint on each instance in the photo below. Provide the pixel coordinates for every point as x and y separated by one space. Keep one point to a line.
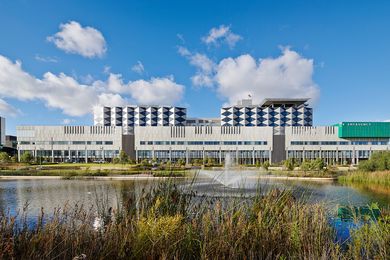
364 130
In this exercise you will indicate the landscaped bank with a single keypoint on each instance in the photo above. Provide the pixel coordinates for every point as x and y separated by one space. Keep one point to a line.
170 223
381 178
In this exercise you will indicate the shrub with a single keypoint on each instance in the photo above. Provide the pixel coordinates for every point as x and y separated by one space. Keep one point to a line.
289 164
123 157
379 161
26 157
4 157
266 165
313 165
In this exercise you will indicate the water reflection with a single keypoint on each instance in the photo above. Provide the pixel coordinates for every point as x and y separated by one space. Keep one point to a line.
51 194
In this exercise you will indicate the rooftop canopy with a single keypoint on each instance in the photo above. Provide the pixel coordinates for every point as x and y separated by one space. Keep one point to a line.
283 101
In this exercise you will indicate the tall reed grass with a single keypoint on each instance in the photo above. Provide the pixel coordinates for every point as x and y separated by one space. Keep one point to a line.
378 177
169 223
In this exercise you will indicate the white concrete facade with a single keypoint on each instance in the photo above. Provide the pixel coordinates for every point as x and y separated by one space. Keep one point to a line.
70 143
245 144
306 143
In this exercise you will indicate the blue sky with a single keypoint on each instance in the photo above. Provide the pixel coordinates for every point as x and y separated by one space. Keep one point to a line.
336 52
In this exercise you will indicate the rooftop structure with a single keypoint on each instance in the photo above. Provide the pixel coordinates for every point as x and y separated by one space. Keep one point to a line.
285 102
271 112
130 116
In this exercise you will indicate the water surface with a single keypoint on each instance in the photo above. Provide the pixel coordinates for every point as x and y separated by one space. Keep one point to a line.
51 194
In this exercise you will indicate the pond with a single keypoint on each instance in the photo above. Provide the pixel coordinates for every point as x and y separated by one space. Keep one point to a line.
50 194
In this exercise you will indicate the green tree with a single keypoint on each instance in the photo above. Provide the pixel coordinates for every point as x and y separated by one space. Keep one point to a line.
144 163
318 164
168 165
289 164
14 158
116 160
181 162
123 157
4 157
306 166
26 157
210 162
258 164
379 161
266 165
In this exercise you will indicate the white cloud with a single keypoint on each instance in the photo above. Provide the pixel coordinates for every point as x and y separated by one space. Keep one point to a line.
73 38
45 59
8 110
205 67
138 68
181 37
67 121
75 99
106 69
287 76
158 91
222 34
162 91
87 79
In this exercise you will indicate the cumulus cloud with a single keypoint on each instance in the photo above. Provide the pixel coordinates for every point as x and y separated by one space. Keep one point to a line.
75 99
286 76
45 59
216 36
138 68
205 67
85 41
67 121
156 91
162 91
8 110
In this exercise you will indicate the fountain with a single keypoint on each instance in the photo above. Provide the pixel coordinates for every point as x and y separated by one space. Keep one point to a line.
231 176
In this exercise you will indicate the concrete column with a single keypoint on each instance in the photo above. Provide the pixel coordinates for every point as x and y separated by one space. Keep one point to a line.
253 156
270 155
18 154
136 155
303 154
187 160
170 154
237 157
86 155
220 156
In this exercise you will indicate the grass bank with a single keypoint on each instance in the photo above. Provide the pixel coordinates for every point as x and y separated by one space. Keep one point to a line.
88 170
381 178
169 223
299 173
